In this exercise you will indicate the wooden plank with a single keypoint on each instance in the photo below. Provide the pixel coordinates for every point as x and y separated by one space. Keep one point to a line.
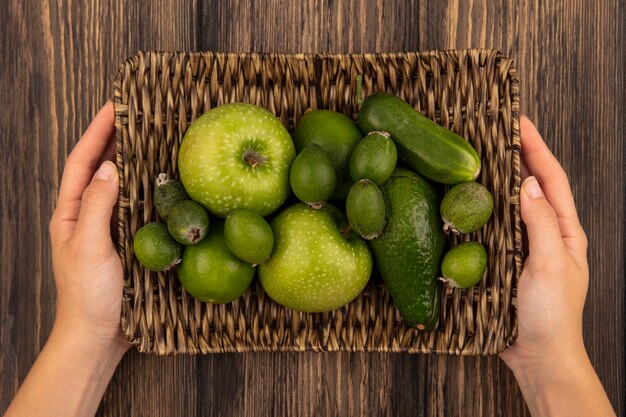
67 55
29 140
309 26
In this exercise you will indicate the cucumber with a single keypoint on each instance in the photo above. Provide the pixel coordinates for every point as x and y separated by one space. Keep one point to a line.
409 250
426 147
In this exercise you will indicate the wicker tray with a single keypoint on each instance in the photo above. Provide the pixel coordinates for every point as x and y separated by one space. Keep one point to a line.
472 92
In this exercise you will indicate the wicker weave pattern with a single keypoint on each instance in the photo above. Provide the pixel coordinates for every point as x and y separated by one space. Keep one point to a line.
472 92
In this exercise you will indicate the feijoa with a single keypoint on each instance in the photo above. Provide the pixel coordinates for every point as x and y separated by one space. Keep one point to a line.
312 176
188 222
210 272
167 194
464 265
337 135
365 208
155 249
374 158
248 236
466 207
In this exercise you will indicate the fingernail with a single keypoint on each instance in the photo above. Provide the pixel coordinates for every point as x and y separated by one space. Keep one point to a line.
533 190
106 171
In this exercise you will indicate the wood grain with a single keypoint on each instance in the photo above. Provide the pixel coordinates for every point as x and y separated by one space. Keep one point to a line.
58 63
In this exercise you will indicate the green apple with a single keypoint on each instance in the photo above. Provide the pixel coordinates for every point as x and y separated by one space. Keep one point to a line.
318 264
234 156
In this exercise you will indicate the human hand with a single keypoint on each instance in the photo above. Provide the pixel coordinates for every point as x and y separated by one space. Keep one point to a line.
553 285
77 362
548 358
87 268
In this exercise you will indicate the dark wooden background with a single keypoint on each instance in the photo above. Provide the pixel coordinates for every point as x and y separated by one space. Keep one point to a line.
57 65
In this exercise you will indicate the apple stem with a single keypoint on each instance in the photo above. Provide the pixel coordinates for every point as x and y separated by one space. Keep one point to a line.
346 230
250 160
253 158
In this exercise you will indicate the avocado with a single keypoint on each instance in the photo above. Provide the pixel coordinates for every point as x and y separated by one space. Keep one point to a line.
409 250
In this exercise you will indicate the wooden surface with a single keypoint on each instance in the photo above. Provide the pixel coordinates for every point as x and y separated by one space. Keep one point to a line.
57 64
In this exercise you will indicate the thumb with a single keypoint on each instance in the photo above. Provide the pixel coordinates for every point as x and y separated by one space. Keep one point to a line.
98 200
544 235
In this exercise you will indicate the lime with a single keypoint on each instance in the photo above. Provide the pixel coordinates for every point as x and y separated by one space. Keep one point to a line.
374 158
337 135
167 194
210 272
248 236
188 222
464 265
312 176
154 247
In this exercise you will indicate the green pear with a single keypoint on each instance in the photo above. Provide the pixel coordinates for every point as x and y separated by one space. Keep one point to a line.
318 263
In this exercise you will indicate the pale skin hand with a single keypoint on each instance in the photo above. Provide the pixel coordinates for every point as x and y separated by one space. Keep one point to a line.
548 358
71 374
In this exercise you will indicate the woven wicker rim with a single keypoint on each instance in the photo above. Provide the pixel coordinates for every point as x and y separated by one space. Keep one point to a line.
472 92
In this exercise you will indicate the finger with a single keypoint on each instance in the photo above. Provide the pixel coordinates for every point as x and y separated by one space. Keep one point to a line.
78 171
86 155
544 235
545 167
63 222
98 200
540 163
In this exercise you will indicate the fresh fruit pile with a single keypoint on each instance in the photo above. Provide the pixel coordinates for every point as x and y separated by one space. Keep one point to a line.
313 213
